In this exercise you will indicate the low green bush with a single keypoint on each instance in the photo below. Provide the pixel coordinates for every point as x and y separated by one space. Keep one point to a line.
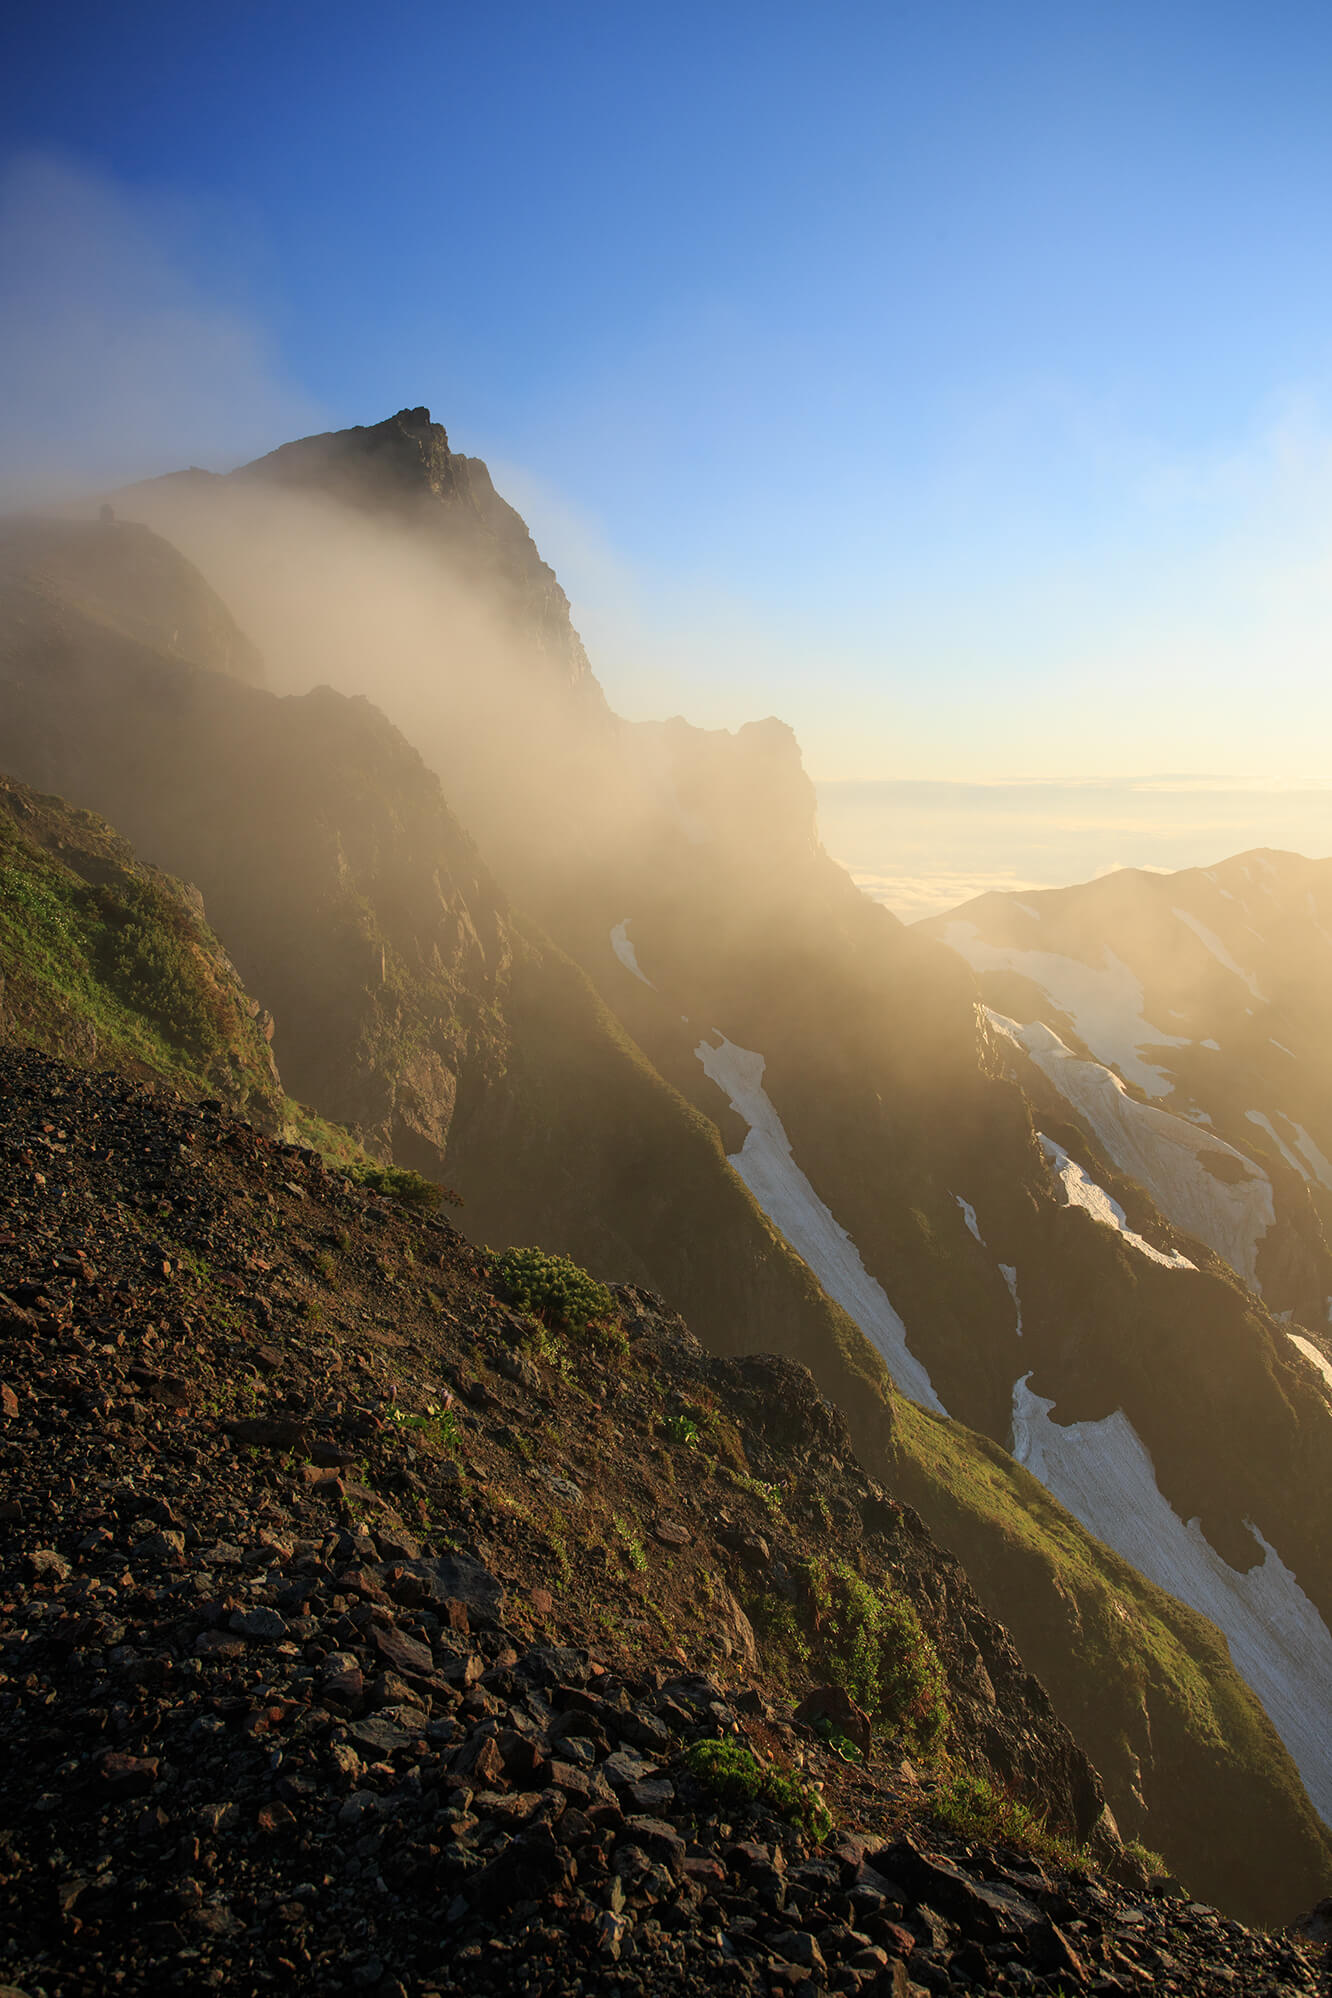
870 1641
973 1808
560 1293
736 1777
400 1183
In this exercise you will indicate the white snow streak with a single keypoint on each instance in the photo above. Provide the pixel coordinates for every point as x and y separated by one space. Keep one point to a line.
1265 1124
969 1216
1181 1166
1213 943
1278 1642
765 1164
1008 1271
628 956
1311 1352
1082 1191
1321 1166
1104 1003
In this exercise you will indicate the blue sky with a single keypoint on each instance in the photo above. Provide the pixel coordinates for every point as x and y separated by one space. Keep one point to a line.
954 380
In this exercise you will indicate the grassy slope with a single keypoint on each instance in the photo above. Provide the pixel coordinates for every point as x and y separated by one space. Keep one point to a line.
109 962
1134 1674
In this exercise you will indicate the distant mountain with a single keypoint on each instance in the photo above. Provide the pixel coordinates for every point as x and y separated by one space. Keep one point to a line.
700 1060
1182 1019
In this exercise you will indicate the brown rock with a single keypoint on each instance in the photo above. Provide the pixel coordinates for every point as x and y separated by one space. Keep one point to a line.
402 1653
671 1532
835 1708
127 1775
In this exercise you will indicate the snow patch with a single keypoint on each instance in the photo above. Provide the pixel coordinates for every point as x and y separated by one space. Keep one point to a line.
765 1164
969 1216
1104 1001
1320 1166
1008 1271
628 956
1213 943
1297 1164
1082 1191
1215 1046
1199 1182
1311 1352
1281 1047
1279 1643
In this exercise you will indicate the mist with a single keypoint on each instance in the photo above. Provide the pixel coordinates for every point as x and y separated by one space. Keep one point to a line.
119 360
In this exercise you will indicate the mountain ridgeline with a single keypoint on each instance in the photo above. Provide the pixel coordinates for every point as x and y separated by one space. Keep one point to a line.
629 1009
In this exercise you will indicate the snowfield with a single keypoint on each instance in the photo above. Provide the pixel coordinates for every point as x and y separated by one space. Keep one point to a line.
628 956
1199 1182
1082 1191
765 1164
1103 1002
1311 1352
1279 1643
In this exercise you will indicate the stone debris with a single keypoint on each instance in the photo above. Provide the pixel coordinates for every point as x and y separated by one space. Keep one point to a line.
259 1732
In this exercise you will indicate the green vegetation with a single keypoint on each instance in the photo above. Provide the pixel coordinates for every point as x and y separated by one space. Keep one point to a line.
682 1429
972 1807
437 1427
399 1183
736 1777
632 1544
106 961
1124 1663
870 1642
768 1496
561 1295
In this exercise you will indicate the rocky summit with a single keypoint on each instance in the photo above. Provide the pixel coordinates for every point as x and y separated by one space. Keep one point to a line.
369 1624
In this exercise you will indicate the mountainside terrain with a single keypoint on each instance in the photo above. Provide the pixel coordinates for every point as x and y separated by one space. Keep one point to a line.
376 1615
111 963
693 979
1184 1027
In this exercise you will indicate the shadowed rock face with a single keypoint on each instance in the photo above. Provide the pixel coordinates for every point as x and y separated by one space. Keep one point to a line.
121 578
403 469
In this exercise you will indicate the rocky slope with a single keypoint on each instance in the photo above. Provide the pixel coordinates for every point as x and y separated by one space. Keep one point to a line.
837 1060
351 1634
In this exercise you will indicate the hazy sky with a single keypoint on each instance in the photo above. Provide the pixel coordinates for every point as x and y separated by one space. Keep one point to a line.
954 380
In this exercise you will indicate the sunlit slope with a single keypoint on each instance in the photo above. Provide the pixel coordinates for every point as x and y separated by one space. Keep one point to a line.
1144 1683
111 964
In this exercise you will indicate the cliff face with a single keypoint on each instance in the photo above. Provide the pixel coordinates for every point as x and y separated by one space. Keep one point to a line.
116 578
404 468
399 474
700 981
